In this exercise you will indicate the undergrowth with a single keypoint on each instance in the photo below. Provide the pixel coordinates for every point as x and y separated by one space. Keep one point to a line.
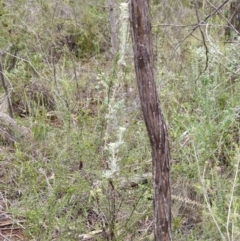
86 171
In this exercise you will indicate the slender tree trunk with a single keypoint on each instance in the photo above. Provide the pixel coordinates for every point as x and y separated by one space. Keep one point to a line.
5 87
113 26
156 127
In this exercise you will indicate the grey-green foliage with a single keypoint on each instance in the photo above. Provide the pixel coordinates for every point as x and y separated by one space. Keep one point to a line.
56 182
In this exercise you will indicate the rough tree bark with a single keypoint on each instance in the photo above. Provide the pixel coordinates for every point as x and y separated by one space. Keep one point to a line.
156 127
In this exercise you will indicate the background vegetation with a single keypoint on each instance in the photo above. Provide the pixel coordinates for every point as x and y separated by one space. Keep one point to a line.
83 171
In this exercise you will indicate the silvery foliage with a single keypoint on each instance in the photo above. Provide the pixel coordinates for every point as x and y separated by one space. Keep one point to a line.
113 149
123 32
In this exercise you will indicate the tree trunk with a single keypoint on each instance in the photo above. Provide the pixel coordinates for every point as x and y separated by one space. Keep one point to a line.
113 26
6 90
156 127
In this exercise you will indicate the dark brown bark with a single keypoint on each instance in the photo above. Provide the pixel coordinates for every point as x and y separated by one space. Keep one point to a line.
156 127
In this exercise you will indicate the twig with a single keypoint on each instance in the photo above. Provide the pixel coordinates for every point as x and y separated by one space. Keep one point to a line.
191 25
28 62
198 25
5 238
175 25
89 235
112 207
228 22
203 38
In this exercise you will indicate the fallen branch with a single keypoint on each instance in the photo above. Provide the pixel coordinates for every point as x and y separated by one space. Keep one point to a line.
90 235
